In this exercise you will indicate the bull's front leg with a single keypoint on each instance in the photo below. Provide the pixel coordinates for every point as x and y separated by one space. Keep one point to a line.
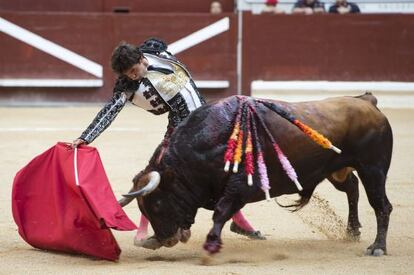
224 210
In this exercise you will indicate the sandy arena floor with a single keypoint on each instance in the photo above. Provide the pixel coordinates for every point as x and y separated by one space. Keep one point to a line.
309 242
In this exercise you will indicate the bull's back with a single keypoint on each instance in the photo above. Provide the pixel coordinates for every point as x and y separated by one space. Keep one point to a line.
198 145
341 117
350 123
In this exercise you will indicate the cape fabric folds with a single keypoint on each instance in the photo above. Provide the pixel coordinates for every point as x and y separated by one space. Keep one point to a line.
52 212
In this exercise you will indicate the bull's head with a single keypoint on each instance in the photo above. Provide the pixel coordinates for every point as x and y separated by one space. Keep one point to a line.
156 202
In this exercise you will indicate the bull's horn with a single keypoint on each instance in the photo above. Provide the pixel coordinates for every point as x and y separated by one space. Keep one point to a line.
154 181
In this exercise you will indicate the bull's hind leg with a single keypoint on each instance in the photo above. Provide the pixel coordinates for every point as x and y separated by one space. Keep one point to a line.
225 208
373 178
347 182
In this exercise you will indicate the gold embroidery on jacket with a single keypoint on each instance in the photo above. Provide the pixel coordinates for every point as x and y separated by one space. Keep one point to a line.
169 85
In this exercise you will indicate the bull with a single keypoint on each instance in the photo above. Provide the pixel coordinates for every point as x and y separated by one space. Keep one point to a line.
190 174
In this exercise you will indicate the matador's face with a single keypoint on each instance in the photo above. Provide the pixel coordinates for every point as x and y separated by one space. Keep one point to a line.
137 71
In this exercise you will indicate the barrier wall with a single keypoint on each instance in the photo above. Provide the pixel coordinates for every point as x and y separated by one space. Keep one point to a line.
95 35
328 47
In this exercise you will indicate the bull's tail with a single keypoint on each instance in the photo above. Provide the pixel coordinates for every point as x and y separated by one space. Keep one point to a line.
368 96
304 199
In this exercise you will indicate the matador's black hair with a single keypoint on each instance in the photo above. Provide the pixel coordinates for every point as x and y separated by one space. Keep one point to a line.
124 57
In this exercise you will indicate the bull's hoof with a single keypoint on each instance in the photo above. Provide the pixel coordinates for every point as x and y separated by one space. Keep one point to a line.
212 247
170 242
375 250
138 242
254 235
150 243
185 235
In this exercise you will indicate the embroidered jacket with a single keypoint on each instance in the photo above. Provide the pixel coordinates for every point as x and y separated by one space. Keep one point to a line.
167 87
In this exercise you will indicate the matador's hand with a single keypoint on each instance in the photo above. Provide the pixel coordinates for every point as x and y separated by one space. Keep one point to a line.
78 142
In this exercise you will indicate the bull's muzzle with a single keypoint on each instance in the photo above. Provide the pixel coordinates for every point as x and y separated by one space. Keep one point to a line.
154 179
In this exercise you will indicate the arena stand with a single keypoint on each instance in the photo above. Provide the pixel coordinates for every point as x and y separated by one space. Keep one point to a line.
366 6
